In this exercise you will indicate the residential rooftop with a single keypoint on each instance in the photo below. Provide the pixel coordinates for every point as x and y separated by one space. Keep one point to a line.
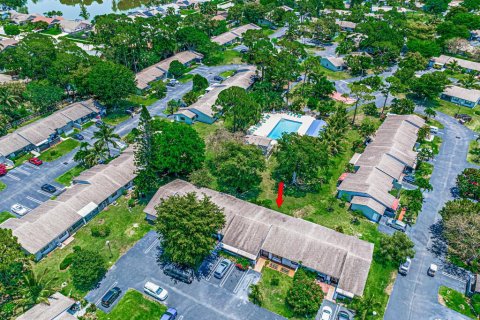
462 93
250 228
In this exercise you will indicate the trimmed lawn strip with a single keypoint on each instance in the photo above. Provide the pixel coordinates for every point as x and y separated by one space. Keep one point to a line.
5 215
204 130
473 155
127 227
134 306
456 301
185 78
59 150
3 186
67 177
226 74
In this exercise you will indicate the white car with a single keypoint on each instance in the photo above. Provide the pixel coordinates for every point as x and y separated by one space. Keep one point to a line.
18 209
155 291
326 313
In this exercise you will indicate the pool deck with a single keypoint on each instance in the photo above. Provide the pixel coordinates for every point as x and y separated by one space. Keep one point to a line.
271 122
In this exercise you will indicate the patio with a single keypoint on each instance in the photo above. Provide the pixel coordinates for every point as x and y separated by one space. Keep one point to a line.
270 120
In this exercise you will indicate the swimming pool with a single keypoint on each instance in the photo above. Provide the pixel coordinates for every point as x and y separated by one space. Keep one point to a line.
284 126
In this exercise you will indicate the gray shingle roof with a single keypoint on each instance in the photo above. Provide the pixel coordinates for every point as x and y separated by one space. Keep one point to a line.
250 227
58 304
472 95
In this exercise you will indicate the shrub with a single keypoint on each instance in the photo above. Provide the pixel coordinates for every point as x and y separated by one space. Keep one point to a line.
131 203
275 281
256 294
67 261
100 231
87 269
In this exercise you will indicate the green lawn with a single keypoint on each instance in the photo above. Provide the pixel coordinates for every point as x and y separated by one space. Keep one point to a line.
473 155
4 215
230 57
59 150
18 161
186 12
228 73
68 176
52 31
435 123
185 78
87 125
434 144
274 295
127 227
142 100
335 75
115 117
204 130
134 306
456 301
451 109
3 186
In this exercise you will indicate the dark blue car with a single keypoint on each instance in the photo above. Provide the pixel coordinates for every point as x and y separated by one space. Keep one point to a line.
170 314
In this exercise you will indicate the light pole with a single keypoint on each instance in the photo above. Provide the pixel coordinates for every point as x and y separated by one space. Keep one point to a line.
109 248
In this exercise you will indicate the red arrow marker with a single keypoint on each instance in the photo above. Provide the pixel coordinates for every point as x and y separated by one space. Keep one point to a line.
280 194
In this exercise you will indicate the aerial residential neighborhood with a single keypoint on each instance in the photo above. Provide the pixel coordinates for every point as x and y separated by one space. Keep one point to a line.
217 159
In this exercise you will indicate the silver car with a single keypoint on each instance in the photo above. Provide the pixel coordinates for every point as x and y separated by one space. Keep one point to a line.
222 268
19 209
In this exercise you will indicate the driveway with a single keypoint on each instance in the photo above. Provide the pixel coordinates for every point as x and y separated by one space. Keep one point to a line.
206 298
415 296
24 182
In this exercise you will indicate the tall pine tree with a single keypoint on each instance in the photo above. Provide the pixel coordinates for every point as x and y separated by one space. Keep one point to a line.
146 180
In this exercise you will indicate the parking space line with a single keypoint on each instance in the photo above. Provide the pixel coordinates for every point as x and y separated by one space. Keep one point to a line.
44 193
229 272
453 277
151 246
12 176
111 287
23 171
237 287
213 270
34 200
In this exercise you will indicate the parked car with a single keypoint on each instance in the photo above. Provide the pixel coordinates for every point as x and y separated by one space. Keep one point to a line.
48 188
18 209
111 296
185 275
398 225
455 192
155 291
78 136
99 124
343 315
3 169
326 313
218 78
170 314
432 270
35 161
405 267
244 50
222 268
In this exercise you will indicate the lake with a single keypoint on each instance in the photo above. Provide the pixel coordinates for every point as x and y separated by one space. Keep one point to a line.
72 8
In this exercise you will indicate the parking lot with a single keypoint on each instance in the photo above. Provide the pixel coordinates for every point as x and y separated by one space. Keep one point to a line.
206 298
25 181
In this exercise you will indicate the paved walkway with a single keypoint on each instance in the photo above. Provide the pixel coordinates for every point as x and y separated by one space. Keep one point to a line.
415 296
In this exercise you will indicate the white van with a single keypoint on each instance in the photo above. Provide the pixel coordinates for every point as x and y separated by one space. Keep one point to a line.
155 291
433 129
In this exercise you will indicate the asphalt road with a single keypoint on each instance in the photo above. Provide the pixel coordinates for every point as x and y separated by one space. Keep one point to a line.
206 298
24 182
415 295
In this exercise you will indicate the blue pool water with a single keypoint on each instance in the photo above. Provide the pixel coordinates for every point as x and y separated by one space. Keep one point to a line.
284 126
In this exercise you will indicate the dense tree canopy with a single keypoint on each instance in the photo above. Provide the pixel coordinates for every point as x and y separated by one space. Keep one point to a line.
238 168
395 248
187 227
305 296
468 183
87 269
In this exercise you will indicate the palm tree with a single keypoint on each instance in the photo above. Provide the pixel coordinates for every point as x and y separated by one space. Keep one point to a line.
470 81
106 136
366 307
8 98
95 154
37 289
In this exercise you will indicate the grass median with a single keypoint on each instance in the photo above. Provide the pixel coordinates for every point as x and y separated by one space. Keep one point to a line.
59 150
